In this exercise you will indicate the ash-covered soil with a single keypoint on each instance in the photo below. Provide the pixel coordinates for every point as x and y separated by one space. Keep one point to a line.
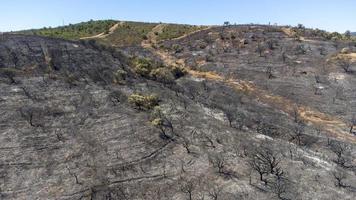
256 115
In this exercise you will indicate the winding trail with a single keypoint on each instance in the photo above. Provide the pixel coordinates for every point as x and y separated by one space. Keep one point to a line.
331 126
103 34
152 36
191 33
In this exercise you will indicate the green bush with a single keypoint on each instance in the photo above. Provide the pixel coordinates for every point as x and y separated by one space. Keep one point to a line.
178 72
143 66
163 75
157 122
120 76
177 48
158 72
143 102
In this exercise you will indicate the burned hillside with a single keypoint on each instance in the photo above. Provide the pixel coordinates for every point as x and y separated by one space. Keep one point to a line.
226 112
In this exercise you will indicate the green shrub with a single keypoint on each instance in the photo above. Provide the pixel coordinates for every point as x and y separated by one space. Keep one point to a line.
178 71
143 66
143 102
177 48
158 72
163 75
157 122
120 76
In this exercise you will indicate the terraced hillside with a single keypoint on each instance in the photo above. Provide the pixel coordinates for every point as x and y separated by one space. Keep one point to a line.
152 111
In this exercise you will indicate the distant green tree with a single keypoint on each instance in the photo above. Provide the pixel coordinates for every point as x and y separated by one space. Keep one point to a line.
226 23
347 34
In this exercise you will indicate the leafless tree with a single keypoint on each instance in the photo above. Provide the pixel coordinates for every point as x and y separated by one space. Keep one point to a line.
186 144
353 124
272 44
298 132
279 183
341 151
300 49
339 93
215 192
284 56
346 65
269 72
340 176
218 161
70 78
279 187
164 124
188 187
28 93
265 162
209 141
240 120
9 74
32 115
260 167
117 97
295 113
231 116
74 175
279 173
318 89
267 128
234 117
109 193
322 51
260 49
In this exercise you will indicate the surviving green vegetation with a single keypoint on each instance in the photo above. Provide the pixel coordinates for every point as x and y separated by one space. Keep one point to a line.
157 71
171 31
74 31
143 102
133 33
126 34
302 31
129 33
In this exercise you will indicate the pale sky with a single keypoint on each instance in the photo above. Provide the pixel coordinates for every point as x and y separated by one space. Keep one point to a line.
330 15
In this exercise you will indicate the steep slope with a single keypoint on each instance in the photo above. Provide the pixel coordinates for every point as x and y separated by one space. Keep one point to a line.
78 120
243 68
333 127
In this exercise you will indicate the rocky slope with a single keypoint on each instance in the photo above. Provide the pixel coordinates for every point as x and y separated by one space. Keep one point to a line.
256 114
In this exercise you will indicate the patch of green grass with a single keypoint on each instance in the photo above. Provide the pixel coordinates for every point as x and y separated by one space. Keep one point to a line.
129 34
171 31
74 31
